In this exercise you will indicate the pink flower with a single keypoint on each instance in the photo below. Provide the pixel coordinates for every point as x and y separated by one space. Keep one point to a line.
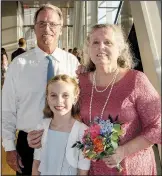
85 135
94 131
86 132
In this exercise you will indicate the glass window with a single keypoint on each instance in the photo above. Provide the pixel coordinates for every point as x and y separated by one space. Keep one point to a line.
107 11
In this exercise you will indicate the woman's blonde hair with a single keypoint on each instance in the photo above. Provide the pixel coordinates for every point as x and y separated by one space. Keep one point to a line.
125 59
75 112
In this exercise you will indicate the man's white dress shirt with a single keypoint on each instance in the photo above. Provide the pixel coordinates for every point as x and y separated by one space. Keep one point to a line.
23 93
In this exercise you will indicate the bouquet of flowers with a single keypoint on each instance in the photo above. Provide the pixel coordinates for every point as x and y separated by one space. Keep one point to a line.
100 139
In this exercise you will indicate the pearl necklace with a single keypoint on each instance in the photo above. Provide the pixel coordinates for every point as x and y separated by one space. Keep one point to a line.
106 86
90 107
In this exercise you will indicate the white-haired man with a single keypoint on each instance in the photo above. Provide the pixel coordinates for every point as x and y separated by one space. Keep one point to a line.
23 94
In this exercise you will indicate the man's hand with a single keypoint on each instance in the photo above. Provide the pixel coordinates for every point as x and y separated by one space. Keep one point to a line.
14 160
81 69
34 138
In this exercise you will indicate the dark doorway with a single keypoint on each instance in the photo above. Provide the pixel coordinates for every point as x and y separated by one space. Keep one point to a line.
132 39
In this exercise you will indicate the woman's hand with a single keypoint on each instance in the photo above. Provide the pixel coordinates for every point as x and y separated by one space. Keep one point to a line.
115 159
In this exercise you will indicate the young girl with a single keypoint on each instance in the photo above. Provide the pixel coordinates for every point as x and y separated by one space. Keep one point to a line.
61 130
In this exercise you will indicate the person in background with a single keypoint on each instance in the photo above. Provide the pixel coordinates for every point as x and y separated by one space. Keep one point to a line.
4 65
23 93
75 49
76 53
70 50
20 50
62 128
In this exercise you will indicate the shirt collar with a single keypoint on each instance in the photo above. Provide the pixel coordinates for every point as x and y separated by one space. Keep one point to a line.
22 47
55 54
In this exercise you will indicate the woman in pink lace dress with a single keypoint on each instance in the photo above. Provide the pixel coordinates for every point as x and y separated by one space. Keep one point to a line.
112 87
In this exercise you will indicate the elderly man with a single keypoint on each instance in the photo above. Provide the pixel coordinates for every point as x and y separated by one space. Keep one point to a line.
23 94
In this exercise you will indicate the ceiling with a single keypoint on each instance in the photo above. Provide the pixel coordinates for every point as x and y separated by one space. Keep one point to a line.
58 3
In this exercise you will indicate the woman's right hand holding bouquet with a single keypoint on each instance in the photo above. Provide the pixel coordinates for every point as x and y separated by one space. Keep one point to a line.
115 159
135 145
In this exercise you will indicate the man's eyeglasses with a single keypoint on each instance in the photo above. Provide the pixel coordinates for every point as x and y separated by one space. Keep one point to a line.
43 24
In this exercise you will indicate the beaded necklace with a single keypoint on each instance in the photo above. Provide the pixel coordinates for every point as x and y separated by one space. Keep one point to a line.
93 86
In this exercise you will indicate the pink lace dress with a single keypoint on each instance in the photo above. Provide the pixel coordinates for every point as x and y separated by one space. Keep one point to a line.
138 106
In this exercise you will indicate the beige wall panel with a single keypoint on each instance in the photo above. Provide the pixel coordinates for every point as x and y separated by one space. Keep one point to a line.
148 42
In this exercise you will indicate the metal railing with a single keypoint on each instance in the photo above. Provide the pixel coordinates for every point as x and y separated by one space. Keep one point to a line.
118 12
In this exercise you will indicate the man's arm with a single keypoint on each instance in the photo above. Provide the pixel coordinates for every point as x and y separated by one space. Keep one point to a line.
9 111
9 117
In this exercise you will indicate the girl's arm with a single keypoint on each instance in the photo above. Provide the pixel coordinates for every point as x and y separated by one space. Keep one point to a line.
35 167
82 172
36 162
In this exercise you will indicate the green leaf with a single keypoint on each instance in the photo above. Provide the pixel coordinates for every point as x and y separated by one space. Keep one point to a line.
91 155
105 147
74 145
80 146
102 154
110 118
114 144
110 151
120 132
116 127
114 136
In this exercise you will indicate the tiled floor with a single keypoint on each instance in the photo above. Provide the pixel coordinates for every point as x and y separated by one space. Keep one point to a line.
6 170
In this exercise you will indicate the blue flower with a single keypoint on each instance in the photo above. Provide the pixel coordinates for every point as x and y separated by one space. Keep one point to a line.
106 127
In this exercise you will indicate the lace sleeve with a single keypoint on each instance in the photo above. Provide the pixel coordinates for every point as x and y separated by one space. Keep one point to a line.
149 108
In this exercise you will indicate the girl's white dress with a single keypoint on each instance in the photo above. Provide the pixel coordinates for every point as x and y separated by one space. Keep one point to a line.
55 158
